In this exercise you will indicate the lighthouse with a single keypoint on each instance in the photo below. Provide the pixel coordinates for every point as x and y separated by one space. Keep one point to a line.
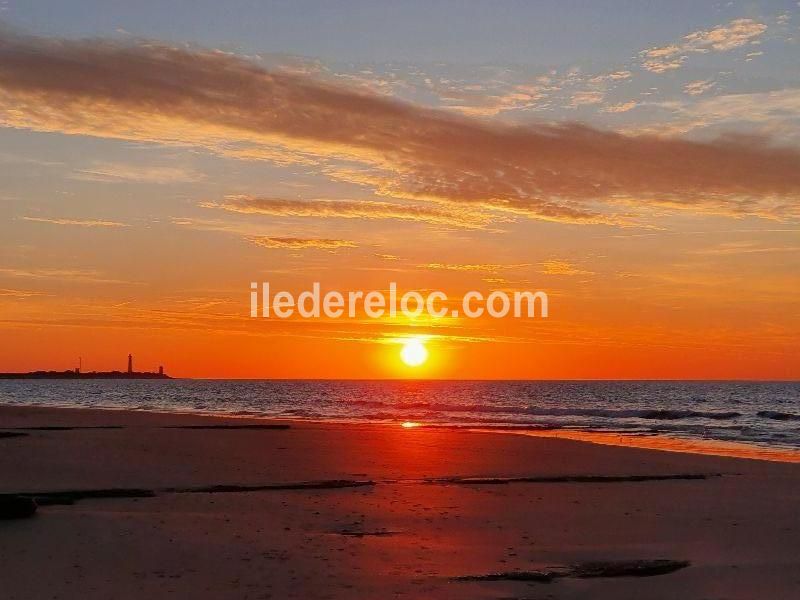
130 363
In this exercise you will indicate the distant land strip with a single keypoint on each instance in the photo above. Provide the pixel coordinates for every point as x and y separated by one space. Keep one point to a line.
90 375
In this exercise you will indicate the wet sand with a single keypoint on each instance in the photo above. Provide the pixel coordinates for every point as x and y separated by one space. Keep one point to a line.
378 511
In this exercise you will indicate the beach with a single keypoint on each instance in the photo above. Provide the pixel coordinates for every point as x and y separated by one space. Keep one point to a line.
213 507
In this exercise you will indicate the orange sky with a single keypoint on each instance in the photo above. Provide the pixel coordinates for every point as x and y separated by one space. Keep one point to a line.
136 213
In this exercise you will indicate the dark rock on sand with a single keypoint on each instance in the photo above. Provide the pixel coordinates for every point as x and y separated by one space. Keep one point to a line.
569 479
67 428
362 533
66 497
627 568
534 576
15 431
587 570
265 426
328 484
16 507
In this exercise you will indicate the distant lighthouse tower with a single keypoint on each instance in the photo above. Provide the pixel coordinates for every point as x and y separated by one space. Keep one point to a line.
130 363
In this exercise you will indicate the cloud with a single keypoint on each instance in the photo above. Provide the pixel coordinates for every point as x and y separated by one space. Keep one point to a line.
725 37
661 60
586 97
260 236
218 101
744 247
297 243
354 209
610 77
562 267
776 111
722 38
596 92
76 222
473 100
696 88
622 107
79 275
471 267
19 294
242 229
118 172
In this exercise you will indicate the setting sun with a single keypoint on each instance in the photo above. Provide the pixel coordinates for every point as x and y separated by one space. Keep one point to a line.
414 353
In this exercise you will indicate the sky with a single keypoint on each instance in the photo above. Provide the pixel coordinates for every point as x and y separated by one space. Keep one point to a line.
637 161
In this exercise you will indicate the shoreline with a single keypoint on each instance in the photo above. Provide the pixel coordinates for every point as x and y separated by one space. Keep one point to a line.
650 441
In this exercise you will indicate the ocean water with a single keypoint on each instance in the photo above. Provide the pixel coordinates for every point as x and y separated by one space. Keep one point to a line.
763 413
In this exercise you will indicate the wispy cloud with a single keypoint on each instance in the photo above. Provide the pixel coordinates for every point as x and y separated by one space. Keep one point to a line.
778 111
696 88
604 78
476 101
489 267
562 267
744 247
725 37
661 60
722 38
621 107
262 236
20 294
354 209
585 97
75 275
564 172
120 172
75 222
298 243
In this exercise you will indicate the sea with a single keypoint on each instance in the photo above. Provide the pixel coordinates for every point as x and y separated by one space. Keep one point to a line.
760 413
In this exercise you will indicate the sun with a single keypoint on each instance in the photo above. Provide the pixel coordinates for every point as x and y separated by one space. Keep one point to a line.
413 353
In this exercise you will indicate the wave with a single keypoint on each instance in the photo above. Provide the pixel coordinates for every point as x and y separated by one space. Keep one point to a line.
649 414
777 415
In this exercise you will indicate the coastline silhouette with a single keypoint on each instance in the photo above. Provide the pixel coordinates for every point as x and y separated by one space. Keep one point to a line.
78 374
